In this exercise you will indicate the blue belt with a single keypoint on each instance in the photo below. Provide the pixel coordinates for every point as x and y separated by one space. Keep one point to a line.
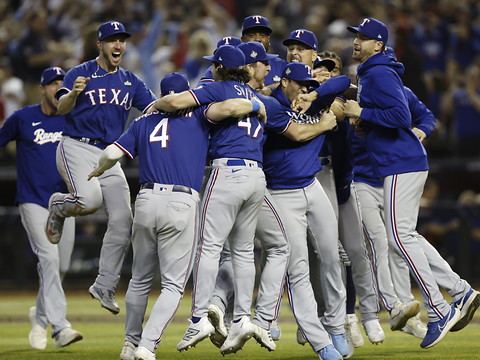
175 188
240 162
95 142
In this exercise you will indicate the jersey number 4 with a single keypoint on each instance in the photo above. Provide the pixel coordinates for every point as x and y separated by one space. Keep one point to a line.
246 123
159 134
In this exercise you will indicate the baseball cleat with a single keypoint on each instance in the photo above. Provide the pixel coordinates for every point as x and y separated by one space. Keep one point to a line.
54 224
340 343
38 334
438 329
329 353
467 306
353 331
215 315
238 335
264 338
401 312
300 338
374 331
128 351
275 330
142 353
415 327
66 337
195 333
106 298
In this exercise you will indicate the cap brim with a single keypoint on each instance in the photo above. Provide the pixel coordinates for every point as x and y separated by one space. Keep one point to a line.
262 27
271 56
287 42
209 58
353 29
329 64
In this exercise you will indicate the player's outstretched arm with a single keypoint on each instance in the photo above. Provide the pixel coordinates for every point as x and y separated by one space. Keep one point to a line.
109 157
305 132
237 107
67 102
174 102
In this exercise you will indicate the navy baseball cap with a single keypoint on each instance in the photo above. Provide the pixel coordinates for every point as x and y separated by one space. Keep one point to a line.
174 83
228 55
303 36
256 21
299 72
372 28
329 64
254 51
50 74
229 40
111 28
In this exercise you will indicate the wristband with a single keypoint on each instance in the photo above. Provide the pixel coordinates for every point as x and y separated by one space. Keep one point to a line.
255 105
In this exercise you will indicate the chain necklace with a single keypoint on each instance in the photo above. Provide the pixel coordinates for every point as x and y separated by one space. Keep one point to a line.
95 76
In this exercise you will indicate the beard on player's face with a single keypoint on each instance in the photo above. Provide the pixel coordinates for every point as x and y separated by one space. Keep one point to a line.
112 50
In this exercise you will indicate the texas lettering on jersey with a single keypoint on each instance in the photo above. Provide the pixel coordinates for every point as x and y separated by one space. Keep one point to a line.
43 137
103 96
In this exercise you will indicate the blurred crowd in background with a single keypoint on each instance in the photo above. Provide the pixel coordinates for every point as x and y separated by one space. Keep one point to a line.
438 41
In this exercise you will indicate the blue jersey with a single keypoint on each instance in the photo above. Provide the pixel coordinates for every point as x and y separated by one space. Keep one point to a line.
101 110
274 75
392 146
171 147
37 136
232 138
291 164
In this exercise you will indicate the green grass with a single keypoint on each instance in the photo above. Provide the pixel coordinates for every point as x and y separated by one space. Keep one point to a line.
103 337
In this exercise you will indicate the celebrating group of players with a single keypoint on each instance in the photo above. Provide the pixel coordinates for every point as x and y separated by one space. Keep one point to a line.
326 175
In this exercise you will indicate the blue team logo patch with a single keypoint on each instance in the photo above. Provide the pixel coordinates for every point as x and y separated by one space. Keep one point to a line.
127 83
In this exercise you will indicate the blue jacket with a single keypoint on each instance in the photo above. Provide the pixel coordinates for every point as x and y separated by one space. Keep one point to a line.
392 146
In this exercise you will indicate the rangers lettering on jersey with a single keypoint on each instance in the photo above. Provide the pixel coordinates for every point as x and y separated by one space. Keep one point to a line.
100 97
42 137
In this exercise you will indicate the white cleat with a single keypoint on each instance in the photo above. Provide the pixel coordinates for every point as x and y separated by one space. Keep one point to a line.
353 331
66 337
142 353
300 338
374 331
238 335
196 333
216 317
264 338
275 330
402 312
38 334
128 351
415 327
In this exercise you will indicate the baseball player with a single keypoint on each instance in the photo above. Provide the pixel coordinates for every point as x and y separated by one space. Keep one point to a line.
37 130
270 231
290 168
96 97
255 28
336 178
227 40
399 158
162 238
235 150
